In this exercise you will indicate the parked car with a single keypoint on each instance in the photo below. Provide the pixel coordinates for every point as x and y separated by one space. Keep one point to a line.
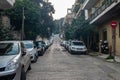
47 43
40 47
67 44
51 40
77 47
14 60
32 49
63 43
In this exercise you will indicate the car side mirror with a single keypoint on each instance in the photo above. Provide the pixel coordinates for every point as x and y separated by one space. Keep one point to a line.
34 46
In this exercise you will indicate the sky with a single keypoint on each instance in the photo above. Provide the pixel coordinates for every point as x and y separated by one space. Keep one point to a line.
60 7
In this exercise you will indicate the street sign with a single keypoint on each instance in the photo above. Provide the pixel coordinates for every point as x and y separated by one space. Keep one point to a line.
113 24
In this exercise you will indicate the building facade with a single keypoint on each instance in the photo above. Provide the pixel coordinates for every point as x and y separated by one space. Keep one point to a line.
5 4
101 13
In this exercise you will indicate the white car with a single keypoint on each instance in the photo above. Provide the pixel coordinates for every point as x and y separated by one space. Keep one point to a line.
14 60
77 47
47 43
32 49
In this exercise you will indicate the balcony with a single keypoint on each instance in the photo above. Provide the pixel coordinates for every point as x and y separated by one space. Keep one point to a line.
5 4
104 11
87 4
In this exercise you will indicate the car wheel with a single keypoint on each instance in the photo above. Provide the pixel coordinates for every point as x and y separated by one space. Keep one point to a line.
71 52
23 74
42 53
37 55
86 52
29 68
35 58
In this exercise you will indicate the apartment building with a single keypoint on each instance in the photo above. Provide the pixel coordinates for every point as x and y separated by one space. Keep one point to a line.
5 4
77 8
101 13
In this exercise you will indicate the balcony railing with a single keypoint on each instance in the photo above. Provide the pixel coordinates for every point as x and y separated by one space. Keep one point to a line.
105 4
84 2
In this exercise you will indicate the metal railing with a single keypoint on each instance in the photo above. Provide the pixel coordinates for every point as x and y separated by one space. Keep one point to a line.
84 1
105 4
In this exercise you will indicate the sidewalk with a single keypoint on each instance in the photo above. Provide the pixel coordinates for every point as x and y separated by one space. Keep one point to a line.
104 56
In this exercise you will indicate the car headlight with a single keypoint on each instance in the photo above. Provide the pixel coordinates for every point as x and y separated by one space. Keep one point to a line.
73 48
12 65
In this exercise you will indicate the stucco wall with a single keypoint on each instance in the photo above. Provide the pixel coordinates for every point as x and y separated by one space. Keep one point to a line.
109 34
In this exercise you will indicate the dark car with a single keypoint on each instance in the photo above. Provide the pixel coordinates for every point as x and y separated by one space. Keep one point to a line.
40 47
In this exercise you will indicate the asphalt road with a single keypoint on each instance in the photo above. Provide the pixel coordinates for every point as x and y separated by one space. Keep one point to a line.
58 64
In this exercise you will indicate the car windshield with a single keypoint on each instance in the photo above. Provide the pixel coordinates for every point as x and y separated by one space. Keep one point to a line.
28 45
78 43
39 44
9 48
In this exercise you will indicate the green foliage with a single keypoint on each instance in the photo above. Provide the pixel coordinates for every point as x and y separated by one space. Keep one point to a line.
37 18
47 19
110 57
32 17
80 29
6 33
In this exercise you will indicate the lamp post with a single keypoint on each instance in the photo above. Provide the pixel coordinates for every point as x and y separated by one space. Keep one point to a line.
22 30
114 25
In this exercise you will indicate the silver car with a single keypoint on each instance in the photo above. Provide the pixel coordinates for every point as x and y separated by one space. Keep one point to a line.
77 47
14 61
32 49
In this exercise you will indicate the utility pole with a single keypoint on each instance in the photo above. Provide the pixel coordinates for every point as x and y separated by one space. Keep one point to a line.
114 25
22 31
114 42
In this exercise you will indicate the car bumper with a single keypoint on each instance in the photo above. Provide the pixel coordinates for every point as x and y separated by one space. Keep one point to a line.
75 51
11 75
5 73
8 77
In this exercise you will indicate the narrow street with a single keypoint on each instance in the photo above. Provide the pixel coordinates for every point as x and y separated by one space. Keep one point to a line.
58 64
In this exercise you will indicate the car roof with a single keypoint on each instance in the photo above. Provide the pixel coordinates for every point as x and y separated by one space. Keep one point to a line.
27 41
76 41
10 41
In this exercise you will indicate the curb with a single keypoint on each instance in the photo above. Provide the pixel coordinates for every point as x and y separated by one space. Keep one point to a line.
104 56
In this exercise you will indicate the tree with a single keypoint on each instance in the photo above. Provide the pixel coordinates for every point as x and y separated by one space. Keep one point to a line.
47 20
32 17
37 18
6 33
80 29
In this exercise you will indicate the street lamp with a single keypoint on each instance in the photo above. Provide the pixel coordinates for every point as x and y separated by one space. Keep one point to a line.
22 30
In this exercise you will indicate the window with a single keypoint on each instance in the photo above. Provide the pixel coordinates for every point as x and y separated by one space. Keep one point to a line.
104 35
9 48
